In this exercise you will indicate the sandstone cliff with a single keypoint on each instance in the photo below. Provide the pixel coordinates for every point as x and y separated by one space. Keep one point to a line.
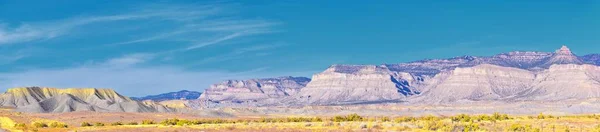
341 84
506 77
232 92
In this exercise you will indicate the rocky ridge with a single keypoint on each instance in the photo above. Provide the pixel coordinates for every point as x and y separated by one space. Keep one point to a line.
179 95
41 99
519 75
232 92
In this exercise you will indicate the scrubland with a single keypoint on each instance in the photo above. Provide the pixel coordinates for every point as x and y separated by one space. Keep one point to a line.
16 121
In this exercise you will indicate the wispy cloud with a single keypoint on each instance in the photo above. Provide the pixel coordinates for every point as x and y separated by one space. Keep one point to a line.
215 41
129 59
259 50
186 29
193 19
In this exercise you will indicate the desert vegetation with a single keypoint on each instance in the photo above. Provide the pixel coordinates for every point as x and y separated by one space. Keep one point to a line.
351 122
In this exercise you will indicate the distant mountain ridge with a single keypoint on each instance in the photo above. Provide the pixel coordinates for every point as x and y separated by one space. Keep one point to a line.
232 92
42 99
519 75
183 94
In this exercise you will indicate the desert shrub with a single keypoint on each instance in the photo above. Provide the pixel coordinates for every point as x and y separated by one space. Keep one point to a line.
85 124
461 118
197 122
316 119
298 119
39 125
351 117
147 122
482 118
404 119
118 123
58 125
498 116
184 122
20 125
385 119
132 123
516 127
437 126
429 118
98 124
354 117
168 122
471 127
522 128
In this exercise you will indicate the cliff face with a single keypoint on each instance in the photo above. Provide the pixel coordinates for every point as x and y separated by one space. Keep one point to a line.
482 82
352 83
253 90
38 99
569 81
506 77
183 94
495 83
503 77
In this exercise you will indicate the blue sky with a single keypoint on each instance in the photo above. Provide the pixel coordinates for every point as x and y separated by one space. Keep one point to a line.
150 47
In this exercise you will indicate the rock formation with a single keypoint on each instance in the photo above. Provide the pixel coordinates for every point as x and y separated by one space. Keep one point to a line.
183 94
233 92
341 84
519 75
38 99
482 82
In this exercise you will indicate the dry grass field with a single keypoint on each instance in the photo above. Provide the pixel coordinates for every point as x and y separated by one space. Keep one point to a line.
148 122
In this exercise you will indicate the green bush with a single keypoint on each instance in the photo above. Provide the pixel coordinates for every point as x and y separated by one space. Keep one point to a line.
184 122
85 124
471 127
385 119
461 118
316 119
118 123
132 123
20 125
168 122
404 119
58 125
516 127
429 118
499 117
351 117
39 125
98 124
436 125
147 122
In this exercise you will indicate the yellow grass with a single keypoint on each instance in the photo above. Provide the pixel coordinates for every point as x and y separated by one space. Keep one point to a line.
8 124
427 123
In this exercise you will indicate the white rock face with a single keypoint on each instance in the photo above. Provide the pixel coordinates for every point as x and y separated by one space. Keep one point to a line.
569 81
354 83
513 76
496 83
482 82
253 90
